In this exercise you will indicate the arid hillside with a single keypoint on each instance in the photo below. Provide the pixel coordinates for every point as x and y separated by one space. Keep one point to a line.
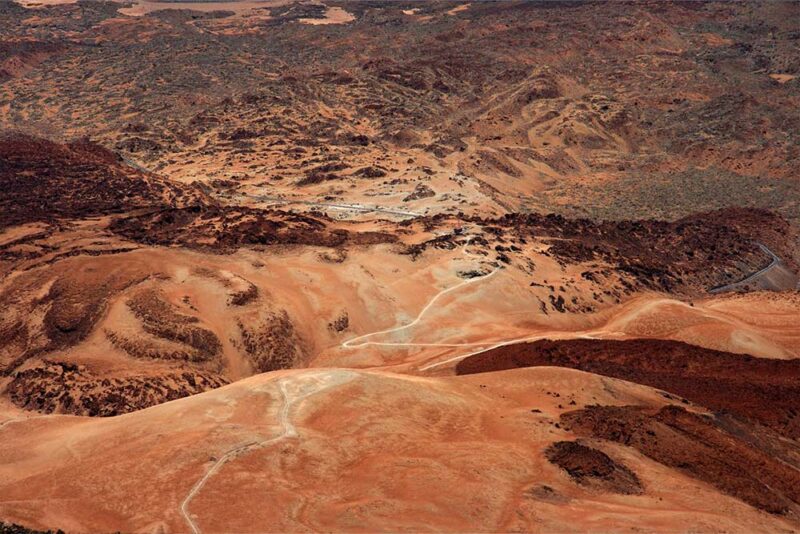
348 266
533 450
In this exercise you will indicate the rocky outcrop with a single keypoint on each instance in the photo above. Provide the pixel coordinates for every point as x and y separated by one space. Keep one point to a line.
59 387
46 181
227 228
592 468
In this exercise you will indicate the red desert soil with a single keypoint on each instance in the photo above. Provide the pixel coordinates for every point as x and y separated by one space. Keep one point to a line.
392 452
226 225
763 390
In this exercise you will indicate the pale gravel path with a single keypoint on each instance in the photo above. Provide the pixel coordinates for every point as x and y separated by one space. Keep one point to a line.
304 385
357 342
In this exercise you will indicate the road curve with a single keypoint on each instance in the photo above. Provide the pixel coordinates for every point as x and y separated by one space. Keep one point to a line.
288 430
7 422
775 261
599 334
356 341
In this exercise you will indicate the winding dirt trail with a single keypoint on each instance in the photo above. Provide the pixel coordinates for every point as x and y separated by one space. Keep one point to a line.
357 342
8 422
484 346
293 390
13 420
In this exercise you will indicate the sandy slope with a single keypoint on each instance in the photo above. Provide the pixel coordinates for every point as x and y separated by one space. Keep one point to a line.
329 449
351 452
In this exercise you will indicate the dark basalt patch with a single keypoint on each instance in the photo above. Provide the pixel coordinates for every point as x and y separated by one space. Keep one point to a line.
73 305
421 191
688 255
26 54
13 528
45 181
225 229
593 468
58 387
245 296
700 447
763 390
162 320
272 342
370 172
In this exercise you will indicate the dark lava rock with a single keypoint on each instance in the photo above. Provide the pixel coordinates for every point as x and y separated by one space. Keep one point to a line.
593 468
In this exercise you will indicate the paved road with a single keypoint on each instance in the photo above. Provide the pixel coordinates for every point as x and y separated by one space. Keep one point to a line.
728 287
